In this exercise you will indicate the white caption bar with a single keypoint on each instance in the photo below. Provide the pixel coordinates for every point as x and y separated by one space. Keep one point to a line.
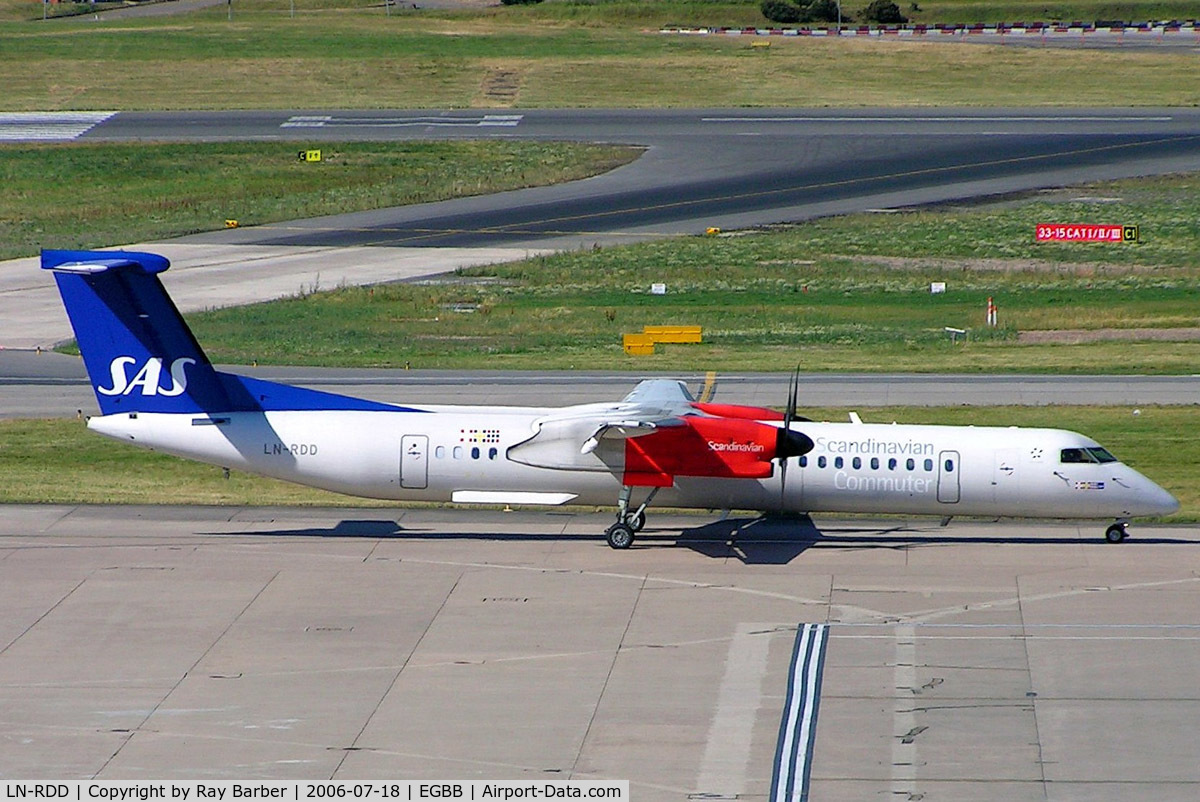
291 791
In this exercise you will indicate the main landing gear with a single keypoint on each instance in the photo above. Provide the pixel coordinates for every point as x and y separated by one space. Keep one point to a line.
620 535
1117 532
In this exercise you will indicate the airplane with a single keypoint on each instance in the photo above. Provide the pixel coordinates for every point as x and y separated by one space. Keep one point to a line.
156 389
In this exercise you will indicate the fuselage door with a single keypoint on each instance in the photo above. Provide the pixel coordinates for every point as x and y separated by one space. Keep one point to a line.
948 484
1004 474
414 461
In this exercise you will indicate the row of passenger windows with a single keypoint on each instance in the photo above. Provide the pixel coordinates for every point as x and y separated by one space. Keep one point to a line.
893 464
460 453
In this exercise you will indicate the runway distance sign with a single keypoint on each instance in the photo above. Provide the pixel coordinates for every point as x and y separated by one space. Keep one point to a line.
1076 232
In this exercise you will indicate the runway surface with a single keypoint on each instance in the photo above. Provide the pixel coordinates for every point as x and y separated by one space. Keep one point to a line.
53 385
706 167
980 661
709 167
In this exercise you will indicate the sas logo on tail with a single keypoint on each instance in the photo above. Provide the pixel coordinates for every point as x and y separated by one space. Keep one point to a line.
147 378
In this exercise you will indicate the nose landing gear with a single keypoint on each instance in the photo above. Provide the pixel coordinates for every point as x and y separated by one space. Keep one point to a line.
1117 532
620 535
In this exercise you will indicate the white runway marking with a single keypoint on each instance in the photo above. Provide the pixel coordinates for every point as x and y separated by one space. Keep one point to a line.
797 730
48 126
328 121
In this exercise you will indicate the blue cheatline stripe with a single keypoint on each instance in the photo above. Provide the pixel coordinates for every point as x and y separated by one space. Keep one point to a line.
798 726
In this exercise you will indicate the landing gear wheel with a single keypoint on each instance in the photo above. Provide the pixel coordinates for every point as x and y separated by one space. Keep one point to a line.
620 536
1115 533
636 522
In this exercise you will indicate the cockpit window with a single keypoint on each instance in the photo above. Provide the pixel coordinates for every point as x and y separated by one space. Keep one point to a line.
1089 455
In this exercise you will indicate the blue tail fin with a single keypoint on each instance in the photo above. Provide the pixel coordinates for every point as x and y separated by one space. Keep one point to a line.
140 354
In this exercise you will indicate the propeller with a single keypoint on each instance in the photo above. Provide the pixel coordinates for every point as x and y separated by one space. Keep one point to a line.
788 443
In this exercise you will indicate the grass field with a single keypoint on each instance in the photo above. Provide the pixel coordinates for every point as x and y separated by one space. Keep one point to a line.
61 462
631 13
349 54
84 196
846 293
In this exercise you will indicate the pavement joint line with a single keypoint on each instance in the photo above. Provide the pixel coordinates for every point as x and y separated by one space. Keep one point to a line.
346 751
1031 695
574 770
135 729
48 611
904 719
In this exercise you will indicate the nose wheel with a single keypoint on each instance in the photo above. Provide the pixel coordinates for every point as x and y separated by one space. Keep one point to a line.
620 535
1117 532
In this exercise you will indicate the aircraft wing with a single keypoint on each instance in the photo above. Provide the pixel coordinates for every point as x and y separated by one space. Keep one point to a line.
661 394
658 432
567 438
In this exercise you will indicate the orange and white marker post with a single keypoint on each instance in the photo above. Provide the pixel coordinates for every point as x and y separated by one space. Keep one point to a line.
991 313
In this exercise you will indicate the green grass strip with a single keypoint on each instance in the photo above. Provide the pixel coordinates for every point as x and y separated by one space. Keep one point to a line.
84 196
847 293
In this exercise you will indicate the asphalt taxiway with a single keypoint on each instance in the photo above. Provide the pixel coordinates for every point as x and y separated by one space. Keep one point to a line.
979 661
48 384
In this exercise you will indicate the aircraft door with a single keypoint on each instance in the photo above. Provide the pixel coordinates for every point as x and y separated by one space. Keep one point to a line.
948 483
1004 474
414 461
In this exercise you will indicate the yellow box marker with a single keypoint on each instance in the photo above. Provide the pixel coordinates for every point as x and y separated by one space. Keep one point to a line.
673 334
231 223
638 344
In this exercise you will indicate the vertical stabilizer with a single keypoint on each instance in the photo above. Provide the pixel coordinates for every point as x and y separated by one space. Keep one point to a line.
139 353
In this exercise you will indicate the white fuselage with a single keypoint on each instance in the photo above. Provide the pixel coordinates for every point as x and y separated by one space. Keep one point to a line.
460 453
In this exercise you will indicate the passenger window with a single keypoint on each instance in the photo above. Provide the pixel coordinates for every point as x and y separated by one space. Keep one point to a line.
820 462
804 462
857 463
458 452
475 453
837 462
440 452
949 466
492 453
874 463
892 464
928 465
912 463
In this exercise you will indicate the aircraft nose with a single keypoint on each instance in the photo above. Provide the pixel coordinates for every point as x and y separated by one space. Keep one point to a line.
1162 501
1151 499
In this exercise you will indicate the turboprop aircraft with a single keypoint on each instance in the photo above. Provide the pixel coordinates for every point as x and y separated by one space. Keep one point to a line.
157 389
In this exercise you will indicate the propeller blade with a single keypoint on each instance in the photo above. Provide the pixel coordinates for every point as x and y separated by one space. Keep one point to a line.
789 414
788 443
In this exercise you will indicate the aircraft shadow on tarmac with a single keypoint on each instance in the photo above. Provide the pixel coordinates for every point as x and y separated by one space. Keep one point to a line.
772 540
762 540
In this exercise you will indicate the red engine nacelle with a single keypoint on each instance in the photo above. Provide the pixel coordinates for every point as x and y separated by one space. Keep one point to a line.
733 448
738 411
